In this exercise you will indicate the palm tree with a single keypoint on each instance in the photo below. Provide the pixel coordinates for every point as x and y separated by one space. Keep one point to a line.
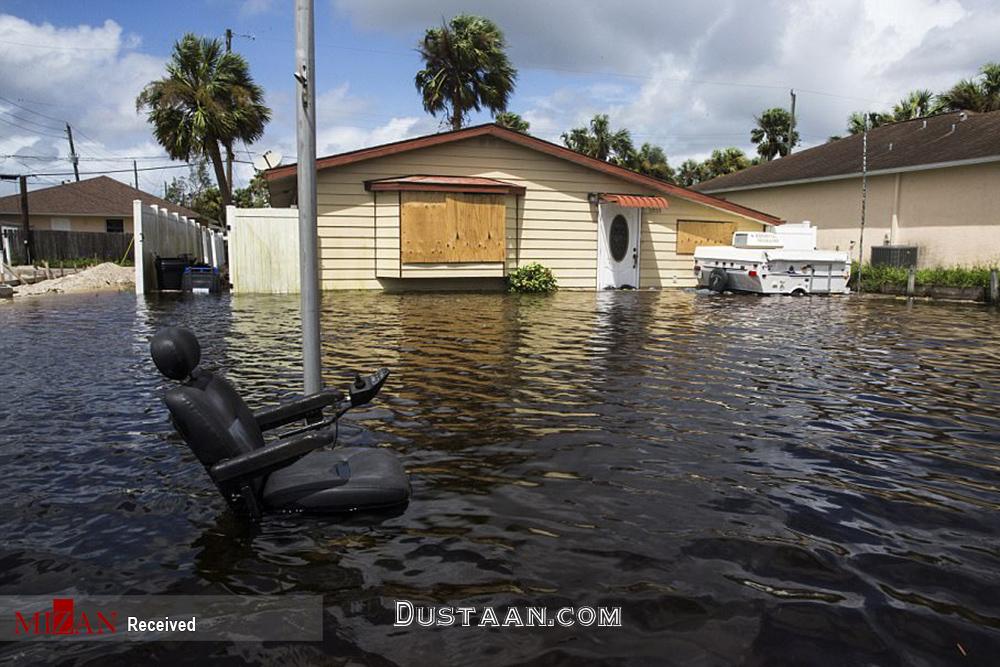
465 68
917 104
725 161
512 121
771 133
652 161
600 142
856 121
207 102
972 95
691 173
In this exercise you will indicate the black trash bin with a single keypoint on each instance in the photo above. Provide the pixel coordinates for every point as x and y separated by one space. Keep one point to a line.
201 279
170 272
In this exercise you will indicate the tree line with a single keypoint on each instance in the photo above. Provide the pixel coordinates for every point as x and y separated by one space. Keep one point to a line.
980 93
208 102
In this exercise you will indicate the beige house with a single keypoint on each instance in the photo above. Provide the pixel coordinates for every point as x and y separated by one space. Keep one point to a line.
99 204
933 183
461 209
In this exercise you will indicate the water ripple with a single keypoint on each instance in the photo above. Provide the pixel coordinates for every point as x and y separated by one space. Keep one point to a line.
753 480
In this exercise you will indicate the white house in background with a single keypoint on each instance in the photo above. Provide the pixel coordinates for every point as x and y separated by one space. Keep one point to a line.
933 183
99 204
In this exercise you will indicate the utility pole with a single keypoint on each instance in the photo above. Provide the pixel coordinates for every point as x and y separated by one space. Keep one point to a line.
305 125
229 149
791 124
135 171
72 153
864 202
29 245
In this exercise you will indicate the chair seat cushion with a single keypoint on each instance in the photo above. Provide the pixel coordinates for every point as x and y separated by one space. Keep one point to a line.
340 480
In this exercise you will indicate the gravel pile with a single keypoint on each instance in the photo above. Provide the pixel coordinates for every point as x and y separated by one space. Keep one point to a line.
107 276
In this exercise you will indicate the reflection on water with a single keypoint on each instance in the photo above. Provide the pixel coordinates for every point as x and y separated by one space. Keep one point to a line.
753 480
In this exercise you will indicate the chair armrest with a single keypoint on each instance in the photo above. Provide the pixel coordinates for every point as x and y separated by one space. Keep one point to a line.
268 458
305 407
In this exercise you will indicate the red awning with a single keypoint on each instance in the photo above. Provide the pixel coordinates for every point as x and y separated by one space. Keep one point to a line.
636 201
475 184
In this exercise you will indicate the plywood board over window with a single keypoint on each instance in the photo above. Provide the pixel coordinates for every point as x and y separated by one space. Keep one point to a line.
451 227
691 234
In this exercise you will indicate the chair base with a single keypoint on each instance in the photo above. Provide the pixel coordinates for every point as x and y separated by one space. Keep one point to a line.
343 480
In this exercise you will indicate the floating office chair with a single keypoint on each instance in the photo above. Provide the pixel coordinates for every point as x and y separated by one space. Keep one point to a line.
289 474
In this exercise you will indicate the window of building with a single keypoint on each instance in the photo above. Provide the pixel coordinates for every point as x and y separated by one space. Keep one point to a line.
115 225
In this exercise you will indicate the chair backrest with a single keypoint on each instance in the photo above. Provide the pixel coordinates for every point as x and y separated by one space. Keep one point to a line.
206 409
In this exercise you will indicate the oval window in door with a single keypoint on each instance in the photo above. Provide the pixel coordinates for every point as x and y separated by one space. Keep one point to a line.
618 238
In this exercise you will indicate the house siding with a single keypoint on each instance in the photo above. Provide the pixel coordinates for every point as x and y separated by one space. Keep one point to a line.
951 214
77 223
359 238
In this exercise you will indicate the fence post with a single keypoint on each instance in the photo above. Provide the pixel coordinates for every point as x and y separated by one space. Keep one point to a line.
994 287
911 282
140 276
231 233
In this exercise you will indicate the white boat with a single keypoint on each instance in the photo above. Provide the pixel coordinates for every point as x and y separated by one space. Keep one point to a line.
783 261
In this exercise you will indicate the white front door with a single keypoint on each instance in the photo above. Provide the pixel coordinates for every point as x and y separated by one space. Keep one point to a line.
617 246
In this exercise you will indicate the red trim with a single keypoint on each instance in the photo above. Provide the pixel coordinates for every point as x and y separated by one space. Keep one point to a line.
636 201
534 143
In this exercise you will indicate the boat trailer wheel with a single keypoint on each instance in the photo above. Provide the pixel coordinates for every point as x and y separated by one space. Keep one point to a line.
718 279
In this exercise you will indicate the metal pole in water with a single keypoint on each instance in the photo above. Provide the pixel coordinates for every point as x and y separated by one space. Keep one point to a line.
911 282
864 203
994 295
305 64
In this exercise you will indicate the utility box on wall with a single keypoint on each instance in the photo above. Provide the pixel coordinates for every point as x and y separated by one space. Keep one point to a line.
894 255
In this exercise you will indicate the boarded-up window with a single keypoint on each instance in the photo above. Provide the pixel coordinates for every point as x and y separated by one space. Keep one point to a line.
451 227
690 235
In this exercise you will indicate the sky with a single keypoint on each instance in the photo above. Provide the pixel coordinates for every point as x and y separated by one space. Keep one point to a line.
688 76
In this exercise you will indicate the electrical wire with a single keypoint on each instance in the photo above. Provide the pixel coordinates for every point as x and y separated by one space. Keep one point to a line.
32 130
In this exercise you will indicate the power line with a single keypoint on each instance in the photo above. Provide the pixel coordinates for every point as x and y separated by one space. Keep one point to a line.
646 77
32 130
29 110
112 171
60 47
120 158
32 122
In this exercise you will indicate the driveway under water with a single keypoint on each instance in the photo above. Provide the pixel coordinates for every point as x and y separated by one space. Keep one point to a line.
753 480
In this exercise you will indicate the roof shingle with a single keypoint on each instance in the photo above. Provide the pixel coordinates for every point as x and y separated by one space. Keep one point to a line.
101 196
923 141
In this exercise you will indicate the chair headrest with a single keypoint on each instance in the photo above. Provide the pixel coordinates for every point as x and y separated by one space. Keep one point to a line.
175 351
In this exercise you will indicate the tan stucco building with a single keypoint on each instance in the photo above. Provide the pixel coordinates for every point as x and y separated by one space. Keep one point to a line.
933 183
100 204
464 208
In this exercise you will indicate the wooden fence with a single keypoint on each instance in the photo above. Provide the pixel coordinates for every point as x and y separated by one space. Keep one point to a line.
57 246
263 250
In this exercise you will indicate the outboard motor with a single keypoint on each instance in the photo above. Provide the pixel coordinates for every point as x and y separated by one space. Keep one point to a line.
291 473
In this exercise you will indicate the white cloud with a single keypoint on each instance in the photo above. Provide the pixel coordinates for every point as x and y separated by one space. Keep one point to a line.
692 78
255 7
87 76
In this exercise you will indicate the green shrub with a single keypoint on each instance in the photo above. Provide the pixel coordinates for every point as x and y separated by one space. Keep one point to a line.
874 277
531 278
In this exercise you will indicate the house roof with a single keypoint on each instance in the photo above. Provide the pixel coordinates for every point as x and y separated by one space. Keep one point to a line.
950 139
445 184
547 147
101 196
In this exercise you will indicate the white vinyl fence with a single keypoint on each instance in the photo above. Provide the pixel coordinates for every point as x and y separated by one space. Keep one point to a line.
263 250
160 232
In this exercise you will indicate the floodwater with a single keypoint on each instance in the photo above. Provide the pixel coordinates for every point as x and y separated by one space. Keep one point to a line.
752 480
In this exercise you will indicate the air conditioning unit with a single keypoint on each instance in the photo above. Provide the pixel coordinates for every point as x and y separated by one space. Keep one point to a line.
894 255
